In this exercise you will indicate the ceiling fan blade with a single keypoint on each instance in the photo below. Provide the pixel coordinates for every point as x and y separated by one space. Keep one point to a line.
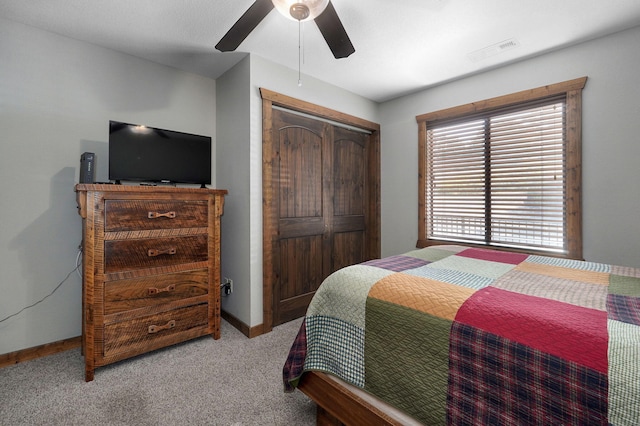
247 22
334 33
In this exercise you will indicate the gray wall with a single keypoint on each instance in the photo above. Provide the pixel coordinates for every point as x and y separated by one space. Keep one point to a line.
233 171
57 96
611 141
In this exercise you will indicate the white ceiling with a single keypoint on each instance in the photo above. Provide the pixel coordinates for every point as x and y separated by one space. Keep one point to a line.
401 46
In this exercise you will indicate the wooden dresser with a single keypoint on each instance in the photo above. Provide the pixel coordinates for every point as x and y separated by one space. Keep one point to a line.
151 268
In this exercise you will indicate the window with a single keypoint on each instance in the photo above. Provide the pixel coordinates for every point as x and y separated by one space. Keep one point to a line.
505 172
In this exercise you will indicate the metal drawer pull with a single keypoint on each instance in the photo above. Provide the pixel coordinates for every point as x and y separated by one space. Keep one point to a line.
157 328
154 215
156 252
153 290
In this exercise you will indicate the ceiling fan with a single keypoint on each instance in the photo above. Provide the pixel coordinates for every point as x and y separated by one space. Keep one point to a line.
321 11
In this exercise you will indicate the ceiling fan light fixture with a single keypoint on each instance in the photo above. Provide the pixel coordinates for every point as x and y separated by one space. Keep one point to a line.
300 10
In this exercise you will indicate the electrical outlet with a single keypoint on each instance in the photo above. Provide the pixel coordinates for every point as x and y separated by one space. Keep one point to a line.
227 286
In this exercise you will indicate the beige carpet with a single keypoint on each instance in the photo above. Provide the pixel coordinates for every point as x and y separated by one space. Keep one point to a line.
232 381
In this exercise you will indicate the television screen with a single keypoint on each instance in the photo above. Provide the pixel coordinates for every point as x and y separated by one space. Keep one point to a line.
147 154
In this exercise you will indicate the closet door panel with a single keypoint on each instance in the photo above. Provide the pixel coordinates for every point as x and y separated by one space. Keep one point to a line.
348 248
300 275
349 197
300 173
300 260
349 165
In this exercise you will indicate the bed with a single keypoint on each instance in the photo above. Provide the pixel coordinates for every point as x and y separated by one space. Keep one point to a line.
468 336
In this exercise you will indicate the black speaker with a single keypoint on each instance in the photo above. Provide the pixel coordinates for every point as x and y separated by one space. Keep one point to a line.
87 167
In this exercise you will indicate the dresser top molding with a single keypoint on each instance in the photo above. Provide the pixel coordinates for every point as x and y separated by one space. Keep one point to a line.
137 189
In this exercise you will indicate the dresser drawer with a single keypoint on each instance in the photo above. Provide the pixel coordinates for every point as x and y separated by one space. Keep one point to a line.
126 215
143 292
126 255
169 327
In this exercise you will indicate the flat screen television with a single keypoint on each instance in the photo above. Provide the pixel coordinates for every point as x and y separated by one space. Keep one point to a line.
148 154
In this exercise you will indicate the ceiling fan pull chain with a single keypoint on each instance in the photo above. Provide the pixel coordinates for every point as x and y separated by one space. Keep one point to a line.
299 53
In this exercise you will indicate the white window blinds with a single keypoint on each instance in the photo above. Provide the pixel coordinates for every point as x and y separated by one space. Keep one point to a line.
498 178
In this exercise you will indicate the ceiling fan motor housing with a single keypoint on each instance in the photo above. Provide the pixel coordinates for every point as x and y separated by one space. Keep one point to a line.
300 10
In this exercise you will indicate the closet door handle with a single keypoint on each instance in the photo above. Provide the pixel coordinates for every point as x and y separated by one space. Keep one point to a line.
156 328
156 252
155 215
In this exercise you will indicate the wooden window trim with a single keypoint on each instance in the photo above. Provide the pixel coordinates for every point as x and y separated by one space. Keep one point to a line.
573 92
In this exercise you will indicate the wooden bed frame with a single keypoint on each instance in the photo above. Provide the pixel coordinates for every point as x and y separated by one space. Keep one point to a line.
342 404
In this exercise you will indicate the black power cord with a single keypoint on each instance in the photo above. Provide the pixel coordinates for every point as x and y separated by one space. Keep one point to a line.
77 268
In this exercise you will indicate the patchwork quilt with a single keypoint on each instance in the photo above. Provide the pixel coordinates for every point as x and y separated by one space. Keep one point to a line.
467 336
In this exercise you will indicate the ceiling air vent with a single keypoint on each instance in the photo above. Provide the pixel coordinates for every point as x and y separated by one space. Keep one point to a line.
493 50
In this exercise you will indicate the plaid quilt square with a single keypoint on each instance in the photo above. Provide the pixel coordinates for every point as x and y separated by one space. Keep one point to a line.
294 364
624 308
397 263
493 380
335 347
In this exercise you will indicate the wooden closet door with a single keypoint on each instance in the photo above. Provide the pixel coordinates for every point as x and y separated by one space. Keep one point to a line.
349 198
319 180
